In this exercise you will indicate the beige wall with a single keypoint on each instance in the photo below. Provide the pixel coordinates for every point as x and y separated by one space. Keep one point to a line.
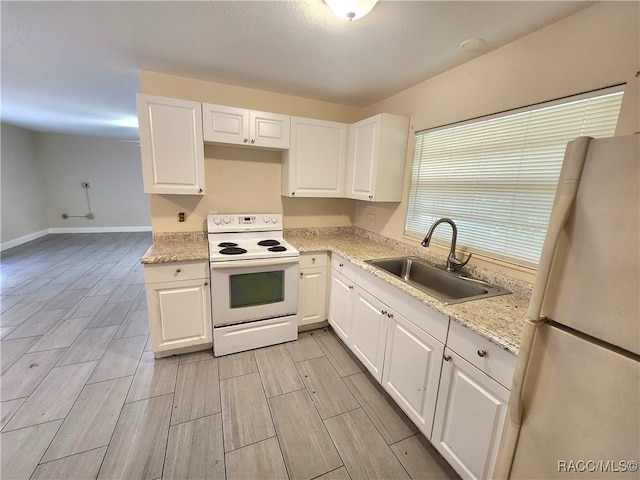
23 201
595 48
245 180
112 168
154 83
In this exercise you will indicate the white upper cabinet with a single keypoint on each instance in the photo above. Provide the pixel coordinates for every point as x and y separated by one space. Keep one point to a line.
171 145
377 154
239 126
315 164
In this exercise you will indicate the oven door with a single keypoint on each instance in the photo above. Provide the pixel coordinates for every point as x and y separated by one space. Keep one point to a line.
248 290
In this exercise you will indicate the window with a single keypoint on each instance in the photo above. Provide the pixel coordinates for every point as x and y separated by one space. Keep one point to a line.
496 177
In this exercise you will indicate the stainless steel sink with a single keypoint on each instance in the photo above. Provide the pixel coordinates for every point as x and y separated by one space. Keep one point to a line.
445 286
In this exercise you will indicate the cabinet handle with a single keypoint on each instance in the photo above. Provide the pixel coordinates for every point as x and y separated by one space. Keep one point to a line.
245 140
390 315
482 353
341 265
206 283
199 190
446 357
253 140
301 274
293 194
350 287
370 197
177 270
384 312
313 260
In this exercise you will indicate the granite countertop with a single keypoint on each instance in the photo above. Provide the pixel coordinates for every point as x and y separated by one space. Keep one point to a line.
177 247
499 319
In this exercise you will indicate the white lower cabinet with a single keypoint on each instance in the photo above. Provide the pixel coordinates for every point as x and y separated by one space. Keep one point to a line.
312 297
412 370
456 394
341 305
342 282
470 412
179 306
369 330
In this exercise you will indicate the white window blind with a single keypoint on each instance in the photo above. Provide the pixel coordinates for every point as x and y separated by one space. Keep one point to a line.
496 177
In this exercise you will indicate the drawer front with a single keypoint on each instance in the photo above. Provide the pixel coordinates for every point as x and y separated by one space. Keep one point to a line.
315 259
480 352
170 272
344 266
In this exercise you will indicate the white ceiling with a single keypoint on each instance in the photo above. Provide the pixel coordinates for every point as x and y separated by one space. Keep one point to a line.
72 67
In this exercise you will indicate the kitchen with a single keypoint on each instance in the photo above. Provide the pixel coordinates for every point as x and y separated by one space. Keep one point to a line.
232 189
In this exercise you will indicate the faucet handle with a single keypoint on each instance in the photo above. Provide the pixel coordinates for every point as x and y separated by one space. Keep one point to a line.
455 263
466 261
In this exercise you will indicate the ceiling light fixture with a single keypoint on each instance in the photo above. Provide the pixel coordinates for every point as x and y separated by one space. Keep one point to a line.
351 9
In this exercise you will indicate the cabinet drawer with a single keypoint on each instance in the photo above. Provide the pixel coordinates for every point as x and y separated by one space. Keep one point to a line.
316 259
169 272
344 266
480 352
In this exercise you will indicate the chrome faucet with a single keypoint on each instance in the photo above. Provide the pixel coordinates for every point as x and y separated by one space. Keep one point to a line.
452 262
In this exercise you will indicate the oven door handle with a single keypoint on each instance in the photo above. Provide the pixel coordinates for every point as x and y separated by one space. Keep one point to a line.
253 263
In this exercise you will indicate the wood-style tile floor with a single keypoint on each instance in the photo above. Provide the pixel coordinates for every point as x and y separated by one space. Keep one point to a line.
83 397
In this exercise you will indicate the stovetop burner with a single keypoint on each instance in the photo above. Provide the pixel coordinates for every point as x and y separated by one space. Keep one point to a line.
269 243
247 237
232 251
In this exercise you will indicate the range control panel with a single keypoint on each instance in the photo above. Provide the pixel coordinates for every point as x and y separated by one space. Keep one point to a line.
244 222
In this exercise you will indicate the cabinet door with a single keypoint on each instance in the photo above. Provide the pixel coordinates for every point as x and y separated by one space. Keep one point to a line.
225 124
179 314
412 370
316 162
369 331
340 306
269 130
312 295
470 413
364 138
171 145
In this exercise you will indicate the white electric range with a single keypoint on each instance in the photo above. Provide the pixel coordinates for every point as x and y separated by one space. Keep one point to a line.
254 282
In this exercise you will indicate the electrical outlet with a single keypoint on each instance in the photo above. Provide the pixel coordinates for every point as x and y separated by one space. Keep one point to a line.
90 216
371 219
85 184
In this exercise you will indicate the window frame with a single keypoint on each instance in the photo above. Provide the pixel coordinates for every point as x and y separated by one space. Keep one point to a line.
442 235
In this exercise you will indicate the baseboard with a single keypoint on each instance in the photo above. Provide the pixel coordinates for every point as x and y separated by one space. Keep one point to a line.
33 236
24 239
99 229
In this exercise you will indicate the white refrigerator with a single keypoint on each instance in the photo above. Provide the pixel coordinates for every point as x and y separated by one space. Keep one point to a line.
574 409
